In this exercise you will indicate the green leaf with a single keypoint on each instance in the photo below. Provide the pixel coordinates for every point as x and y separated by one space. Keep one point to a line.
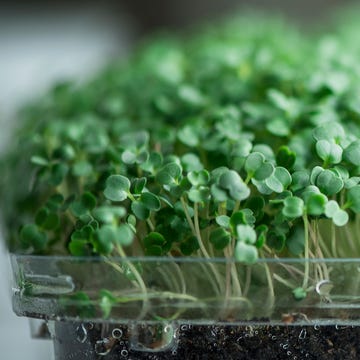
30 235
169 174
333 211
285 157
293 207
331 208
340 218
189 136
198 178
253 162
353 198
129 157
295 242
82 168
88 200
279 180
199 195
39 160
246 234
153 162
140 210
278 127
315 204
154 238
300 180
220 238
191 162
218 194
261 232
329 182
51 222
299 293
257 167
315 172
57 173
78 247
223 221
276 239
328 151
104 239
150 201
138 185
124 235
331 131
352 153
231 181
109 214
117 188
245 253
351 182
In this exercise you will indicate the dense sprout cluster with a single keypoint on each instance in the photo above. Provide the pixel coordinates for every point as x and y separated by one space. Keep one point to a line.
243 141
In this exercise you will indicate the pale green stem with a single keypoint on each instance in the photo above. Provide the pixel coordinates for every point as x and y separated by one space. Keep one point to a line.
247 280
306 252
196 231
333 240
138 278
270 282
283 281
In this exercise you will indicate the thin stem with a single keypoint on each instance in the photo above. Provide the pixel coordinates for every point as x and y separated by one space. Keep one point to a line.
333 240
151 225
247 280
138 278
306 252
236 281
283 281
270 282
196 231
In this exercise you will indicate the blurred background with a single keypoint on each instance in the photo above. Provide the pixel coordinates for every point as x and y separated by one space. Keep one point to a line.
42 42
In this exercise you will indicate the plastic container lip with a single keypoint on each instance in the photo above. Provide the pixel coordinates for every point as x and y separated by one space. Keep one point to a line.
183 259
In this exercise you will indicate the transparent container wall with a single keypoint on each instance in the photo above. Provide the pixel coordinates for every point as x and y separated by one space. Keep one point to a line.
186 290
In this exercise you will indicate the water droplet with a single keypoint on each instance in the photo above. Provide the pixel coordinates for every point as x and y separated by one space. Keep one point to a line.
167 328
273 337
302 334
288 353
324 287
285 346
117 333
183 327
124 353
81 333
103 347
174 352
316 327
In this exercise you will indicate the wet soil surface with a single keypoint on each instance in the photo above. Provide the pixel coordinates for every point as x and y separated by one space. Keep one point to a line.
214 342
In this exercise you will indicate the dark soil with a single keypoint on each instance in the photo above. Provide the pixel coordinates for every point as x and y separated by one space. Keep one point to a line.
211 342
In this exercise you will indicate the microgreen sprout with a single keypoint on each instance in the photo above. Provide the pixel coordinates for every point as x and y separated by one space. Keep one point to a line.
248 156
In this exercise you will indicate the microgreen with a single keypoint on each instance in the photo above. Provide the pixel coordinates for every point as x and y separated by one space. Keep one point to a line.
221 145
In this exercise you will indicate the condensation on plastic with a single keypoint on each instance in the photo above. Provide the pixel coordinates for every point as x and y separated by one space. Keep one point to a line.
188 290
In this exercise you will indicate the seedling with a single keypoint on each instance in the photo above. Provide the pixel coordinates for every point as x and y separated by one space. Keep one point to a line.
231 144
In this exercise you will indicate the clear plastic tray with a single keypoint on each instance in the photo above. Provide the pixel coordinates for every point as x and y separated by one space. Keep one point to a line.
186 290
